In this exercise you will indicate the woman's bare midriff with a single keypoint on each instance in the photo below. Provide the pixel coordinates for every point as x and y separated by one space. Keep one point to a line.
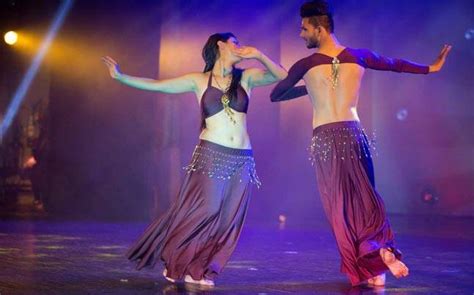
221 130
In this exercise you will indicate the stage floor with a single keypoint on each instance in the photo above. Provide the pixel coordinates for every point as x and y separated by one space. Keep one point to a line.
54 257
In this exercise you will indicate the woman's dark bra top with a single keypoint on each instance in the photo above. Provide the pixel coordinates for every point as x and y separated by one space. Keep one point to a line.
211 100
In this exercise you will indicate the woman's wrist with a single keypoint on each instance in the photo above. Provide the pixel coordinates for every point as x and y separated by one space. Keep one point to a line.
261 57
119 77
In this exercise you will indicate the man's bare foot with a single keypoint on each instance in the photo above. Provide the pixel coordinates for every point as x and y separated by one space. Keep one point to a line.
396 267
202 282
377 281
165 272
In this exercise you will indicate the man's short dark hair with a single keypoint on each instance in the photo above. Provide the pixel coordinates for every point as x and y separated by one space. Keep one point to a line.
319 13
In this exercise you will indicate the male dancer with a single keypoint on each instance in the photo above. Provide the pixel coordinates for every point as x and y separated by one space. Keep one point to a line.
340 149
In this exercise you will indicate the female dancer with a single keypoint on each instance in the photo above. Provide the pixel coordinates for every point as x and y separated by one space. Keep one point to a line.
197 235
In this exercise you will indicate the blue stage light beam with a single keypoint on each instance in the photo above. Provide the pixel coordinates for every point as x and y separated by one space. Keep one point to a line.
33 69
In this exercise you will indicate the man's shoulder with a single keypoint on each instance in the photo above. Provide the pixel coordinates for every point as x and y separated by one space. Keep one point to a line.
307 61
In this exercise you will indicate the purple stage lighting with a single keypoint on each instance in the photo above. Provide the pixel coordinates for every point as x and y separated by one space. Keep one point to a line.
469 34
402 114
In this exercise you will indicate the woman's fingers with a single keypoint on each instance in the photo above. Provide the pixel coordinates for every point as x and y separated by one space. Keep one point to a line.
111 64
106 62
109 61
242 52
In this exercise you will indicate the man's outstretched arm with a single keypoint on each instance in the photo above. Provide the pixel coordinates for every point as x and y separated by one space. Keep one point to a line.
377 62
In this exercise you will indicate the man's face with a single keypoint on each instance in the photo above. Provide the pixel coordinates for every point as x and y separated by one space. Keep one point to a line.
309 33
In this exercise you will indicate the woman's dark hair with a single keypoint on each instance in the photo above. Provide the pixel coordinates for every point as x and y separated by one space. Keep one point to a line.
319 13
210 53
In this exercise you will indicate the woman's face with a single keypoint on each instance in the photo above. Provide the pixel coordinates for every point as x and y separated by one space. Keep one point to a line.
229 49
233 42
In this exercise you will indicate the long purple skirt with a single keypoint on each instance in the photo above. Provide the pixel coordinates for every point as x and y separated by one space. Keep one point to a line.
198 234
340 153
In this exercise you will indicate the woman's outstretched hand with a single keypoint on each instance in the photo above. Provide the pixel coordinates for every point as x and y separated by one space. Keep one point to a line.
440 60
113 67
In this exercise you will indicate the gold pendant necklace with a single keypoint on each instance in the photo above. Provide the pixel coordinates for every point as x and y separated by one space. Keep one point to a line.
225 100
335 72
227 109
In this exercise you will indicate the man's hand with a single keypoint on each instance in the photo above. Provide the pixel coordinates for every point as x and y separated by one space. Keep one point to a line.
439 62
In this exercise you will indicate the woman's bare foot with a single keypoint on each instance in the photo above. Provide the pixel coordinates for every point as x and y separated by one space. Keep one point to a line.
165 272
377 281
396 267
202 282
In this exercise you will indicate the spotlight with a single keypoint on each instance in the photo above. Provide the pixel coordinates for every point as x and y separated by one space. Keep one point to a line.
429 196
402 114
20 93
469 34
11 37
282 218
281 221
